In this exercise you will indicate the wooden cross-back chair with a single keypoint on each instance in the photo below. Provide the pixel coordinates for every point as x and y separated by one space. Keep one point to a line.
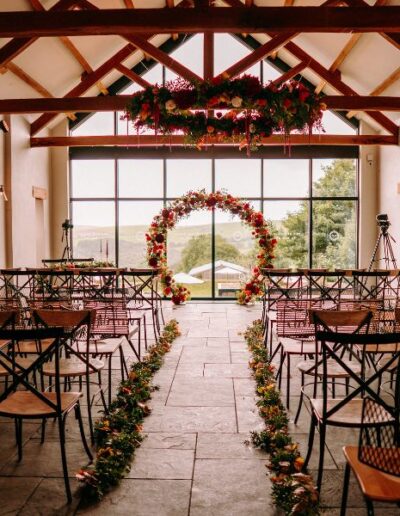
22 400
346 411
376 461
356 321
78 364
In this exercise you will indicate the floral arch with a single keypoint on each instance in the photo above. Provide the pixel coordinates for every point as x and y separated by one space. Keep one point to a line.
200 200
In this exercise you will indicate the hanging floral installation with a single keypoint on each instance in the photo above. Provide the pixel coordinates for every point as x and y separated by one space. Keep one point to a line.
200 200
249 110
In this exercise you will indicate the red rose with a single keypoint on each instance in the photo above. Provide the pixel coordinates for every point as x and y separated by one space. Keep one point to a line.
160 238
274 241
287 103
165 213
153 262
303 95
167 291
211 202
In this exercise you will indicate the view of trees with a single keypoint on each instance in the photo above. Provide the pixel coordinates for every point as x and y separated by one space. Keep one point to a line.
334 239
198 252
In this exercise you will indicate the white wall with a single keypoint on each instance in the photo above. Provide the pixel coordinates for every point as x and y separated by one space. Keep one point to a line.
27 168
369 198
389 198
59 199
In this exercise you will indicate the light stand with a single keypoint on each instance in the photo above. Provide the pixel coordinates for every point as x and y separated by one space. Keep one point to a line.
66 236
386 239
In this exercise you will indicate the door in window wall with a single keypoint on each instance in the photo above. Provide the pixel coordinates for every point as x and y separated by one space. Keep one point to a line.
312 206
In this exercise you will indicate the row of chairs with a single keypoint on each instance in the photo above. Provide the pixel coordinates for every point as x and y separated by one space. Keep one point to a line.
340 355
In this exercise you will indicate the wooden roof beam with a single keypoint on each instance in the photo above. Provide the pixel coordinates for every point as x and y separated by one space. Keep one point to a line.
88 81
178 140
32 83
257 55
118 102
72 49
384 85
206 19
292 72
330 77
131 75
16 46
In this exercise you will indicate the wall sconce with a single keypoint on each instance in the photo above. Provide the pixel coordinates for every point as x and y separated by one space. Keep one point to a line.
3 195
4 126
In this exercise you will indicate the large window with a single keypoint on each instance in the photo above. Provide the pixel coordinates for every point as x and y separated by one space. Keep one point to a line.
312 205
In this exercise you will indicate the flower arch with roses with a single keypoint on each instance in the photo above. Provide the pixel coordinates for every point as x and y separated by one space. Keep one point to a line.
200 200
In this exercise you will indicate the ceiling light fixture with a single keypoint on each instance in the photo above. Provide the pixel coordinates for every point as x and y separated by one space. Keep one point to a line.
3 195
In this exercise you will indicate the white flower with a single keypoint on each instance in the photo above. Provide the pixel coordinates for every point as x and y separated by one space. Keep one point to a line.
170 105
252 128
237 102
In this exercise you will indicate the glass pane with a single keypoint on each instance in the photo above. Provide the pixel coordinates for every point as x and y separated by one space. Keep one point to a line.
187 174
334 234
227 51
239 177
290 226
236 252
190 54
140 178
135 218
153 76
189 251
92 178
286 177
97 124
94 230
334 177
269 72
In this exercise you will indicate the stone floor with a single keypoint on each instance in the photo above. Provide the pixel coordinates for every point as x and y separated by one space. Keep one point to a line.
194 460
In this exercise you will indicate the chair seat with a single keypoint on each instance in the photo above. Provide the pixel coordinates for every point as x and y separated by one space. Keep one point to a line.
73 367
334 370
31 346
26 404
380 348
23 362
3 343
298 348
374 484
105 346
349 415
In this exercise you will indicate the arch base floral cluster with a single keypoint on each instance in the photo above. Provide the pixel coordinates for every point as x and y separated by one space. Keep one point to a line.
200 200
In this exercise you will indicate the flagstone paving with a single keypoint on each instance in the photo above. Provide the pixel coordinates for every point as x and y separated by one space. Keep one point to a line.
194 460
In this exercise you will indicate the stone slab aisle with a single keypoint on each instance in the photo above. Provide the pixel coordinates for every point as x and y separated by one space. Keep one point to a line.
194 460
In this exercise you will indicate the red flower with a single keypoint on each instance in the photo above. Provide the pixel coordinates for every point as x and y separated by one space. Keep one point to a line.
303 95
153 262
160 238
287 103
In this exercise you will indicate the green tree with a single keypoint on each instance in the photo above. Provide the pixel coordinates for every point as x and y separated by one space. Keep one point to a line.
334 242
198 252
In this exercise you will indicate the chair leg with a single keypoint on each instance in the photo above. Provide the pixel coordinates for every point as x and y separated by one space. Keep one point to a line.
311 435
78 415
109 377
288 381
61 430
345 490
89 409
370 507
18 436
43 432
300 400
322 433
103 399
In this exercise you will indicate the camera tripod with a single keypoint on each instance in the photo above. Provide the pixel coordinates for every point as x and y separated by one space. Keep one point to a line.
67 253
388 254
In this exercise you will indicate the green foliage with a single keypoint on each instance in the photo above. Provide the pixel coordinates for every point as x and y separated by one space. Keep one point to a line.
118 433
198 251
292 490
334 242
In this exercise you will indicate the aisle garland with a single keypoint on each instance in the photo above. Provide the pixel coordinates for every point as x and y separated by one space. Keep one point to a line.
249 110
118 433
201 200
292 489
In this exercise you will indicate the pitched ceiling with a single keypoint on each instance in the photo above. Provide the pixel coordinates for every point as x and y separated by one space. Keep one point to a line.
53 66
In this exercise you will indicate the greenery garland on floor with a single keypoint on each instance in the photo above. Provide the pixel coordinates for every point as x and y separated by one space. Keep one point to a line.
118 433
292 489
